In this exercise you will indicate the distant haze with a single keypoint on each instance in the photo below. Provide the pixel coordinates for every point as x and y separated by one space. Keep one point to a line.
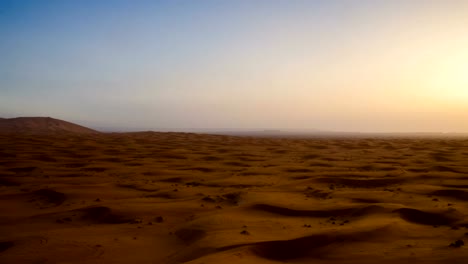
368 66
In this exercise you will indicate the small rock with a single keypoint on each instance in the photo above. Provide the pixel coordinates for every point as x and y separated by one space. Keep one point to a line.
245 232
97 200
159 219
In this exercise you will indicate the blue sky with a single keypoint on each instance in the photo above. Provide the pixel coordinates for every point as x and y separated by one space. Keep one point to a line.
331 65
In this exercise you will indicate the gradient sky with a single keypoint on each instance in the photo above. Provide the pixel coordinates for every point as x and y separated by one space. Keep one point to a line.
370 66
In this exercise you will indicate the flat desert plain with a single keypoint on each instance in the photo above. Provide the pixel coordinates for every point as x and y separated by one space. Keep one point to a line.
191 198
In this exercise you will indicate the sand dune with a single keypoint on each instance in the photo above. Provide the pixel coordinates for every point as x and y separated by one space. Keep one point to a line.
192 198
41 125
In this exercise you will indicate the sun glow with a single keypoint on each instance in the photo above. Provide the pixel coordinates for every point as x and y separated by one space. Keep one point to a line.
449 79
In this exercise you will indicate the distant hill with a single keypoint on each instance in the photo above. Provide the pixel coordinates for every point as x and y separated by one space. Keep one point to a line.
41 125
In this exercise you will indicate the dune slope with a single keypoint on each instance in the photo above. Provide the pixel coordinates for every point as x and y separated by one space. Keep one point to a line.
41 125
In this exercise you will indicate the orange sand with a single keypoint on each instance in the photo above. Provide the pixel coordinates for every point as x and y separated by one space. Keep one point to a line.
188 198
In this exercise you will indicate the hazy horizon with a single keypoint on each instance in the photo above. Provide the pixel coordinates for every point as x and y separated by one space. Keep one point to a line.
350 66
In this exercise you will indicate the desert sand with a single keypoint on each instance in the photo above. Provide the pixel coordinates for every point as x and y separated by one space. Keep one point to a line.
191 198
41 126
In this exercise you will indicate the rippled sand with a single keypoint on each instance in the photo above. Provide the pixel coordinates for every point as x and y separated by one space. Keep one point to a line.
188 198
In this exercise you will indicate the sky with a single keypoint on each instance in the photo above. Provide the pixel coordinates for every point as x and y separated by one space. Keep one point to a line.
348 65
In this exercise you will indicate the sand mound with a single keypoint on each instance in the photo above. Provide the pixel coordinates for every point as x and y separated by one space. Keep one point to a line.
365 200
41 125
296 248
313 246
352 212
87 215
441 168
369 210
102 215
316 246
190 235
228 198
427 218
47 197
360 183
163 195
456 194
